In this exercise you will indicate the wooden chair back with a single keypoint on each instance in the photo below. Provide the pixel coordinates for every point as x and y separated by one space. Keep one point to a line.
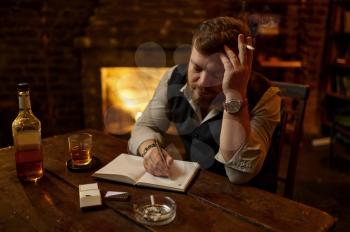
294 98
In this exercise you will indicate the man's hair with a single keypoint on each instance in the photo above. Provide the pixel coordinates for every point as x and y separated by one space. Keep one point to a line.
212 34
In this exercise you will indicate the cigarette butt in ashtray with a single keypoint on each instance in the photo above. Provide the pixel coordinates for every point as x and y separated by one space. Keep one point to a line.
152 200
321 141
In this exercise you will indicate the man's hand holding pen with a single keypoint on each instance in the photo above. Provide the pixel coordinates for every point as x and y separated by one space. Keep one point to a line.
157 161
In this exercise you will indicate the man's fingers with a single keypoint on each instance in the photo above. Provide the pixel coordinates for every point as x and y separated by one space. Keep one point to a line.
242 49
232 57
160 172
226 62
162 169
249 41
154 164
147 166
169 160
155 169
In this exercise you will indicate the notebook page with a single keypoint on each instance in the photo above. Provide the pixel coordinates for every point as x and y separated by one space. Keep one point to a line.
181 173
124 165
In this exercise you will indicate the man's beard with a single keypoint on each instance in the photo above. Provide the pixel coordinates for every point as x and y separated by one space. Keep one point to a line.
206 97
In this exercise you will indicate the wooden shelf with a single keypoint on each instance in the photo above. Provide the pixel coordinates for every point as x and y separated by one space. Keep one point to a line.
290 64
276 27
343 66
335 69
281 33
274 1
339 96
341 2
341 34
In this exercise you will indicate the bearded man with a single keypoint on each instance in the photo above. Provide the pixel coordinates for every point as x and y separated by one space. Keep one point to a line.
224 112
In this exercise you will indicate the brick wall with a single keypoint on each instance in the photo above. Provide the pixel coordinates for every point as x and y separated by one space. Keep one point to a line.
36 46
314 14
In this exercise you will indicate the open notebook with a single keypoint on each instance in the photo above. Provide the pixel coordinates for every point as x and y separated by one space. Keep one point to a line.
129 169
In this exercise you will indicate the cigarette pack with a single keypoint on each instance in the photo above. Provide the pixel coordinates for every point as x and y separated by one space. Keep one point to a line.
89 195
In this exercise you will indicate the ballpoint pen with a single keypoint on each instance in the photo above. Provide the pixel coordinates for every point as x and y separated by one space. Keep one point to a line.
161 155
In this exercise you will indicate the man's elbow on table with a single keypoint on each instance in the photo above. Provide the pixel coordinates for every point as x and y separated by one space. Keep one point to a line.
238 177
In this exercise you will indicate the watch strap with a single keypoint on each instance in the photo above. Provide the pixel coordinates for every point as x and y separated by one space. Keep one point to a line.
243 102
149 146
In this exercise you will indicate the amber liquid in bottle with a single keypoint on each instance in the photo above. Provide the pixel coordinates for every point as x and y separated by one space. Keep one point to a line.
26 131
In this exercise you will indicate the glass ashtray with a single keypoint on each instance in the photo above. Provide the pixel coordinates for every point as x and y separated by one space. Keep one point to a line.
155 210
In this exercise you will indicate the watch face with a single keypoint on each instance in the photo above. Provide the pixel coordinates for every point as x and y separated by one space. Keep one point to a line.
233 106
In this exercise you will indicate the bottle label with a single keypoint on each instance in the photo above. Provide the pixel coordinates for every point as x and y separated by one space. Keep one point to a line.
28 138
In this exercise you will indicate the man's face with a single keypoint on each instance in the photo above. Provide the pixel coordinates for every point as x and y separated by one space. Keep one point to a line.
205 74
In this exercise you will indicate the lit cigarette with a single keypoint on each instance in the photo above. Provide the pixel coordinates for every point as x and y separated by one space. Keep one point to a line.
250 47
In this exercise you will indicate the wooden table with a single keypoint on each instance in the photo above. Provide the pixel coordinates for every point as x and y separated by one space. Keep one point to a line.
211 203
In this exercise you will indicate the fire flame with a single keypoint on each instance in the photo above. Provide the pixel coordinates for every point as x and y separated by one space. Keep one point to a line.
126 92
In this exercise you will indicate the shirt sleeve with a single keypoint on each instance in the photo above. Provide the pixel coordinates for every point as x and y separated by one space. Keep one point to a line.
153 121
250 156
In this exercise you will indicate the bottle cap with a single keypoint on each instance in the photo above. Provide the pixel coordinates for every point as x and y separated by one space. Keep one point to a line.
22 86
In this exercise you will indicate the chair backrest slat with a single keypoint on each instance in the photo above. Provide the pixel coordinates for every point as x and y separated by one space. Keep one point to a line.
296 96
293 90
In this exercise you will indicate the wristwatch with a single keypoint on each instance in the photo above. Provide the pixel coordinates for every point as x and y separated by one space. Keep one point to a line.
233 106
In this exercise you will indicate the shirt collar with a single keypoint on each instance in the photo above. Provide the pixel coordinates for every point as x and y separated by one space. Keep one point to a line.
188 95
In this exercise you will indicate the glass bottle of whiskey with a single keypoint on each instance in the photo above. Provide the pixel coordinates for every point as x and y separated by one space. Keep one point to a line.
26 132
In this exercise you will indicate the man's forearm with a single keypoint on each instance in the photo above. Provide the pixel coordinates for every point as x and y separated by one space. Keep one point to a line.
234 132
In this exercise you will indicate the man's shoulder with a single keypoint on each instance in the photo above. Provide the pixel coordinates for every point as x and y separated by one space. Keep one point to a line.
178 74
181 69
258 85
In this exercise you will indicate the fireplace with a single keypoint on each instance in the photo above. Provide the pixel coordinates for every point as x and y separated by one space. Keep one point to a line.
126 92
131 40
